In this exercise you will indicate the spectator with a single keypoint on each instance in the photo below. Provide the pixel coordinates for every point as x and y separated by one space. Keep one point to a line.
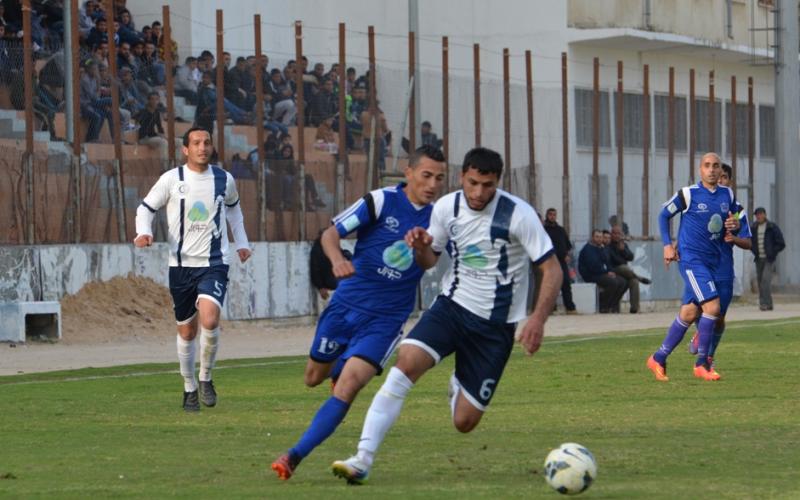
562 247
350 80
236 79
187 78
100 54
614 220
205 113
281 99
151 69
147 33
124 57
767 244
594 268
105 89
619 255
94 107
127 33
155 33
427 136
358 105
129 95
606 239
98 34
85 19
326 137
323 104
151 132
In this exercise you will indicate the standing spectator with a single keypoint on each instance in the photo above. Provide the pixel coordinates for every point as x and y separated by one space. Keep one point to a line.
619 255
94 107
767 244
350 80
594 268
152 70
151 132
562 246
185 81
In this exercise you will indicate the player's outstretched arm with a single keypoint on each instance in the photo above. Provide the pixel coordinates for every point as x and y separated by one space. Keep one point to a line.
420 240
144 227
533 331
341 267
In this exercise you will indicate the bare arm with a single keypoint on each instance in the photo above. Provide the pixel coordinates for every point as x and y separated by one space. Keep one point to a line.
533 331
330 240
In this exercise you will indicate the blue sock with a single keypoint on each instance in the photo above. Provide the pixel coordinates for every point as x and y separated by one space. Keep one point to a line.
674 336
328 417
705 334
715 340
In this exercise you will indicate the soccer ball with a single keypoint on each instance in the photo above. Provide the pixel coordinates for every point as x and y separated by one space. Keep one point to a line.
570 468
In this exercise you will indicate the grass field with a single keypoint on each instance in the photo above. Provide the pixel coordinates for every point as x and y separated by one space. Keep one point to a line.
120 432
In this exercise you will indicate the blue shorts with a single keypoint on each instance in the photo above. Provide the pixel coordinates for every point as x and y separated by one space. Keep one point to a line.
482 347
724 292
343 332
699 283
188 284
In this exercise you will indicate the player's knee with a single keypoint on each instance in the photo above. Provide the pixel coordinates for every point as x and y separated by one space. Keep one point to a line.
721 323
465 423
313 378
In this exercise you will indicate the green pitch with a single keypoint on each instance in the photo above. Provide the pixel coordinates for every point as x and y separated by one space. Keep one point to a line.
121 432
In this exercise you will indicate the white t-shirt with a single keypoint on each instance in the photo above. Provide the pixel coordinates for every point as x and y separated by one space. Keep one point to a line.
197 205
491 250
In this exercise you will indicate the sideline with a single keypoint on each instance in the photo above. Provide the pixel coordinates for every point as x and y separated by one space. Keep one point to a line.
735 326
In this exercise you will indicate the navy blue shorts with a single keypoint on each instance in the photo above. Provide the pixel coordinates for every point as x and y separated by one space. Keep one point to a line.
343 332
482 347
724 292
188 284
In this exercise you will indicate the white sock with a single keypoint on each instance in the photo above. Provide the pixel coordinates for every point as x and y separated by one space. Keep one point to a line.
209 342
382 413
455 389
186 359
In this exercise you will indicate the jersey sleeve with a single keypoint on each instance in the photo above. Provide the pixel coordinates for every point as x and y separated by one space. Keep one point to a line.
437 228
674 205
231 192
530 233
362 213
155 199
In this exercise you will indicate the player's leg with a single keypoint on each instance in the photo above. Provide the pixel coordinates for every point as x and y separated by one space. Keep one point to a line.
705 334
184 295
211 290
336 326
482 351
365 356
725 289
657 362
431 339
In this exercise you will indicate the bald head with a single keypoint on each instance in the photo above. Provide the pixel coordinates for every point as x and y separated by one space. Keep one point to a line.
710 169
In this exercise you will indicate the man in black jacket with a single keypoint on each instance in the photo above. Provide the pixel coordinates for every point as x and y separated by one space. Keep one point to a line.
619 255
594 268
767 244
562 247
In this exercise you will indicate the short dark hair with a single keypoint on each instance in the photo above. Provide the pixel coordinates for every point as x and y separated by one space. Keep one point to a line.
426 151
351 70
206 53
551 209
728 170
155 23
606 231
190 59
240 59
193 129
153 93
426 123
484 160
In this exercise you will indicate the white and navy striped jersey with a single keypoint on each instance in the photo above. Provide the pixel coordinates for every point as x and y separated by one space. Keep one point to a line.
198 204
490 250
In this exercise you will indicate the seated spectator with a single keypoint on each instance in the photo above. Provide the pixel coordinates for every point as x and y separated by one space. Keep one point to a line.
127 31
100 54
105 88
235 80
124 57
614 220
206 110
323 104
594 268
350 80
619 255
286 170
185 82
151 69
358 105
95 107
151 132
85 19
281 99
98 34
129 96
427 136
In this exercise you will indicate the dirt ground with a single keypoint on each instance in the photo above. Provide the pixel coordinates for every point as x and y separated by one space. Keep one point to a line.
129 320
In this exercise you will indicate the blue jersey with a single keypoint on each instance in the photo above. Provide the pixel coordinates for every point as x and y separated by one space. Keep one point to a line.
724 271
386 278
702 228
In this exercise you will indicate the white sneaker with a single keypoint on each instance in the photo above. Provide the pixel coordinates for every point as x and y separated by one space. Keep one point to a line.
353 470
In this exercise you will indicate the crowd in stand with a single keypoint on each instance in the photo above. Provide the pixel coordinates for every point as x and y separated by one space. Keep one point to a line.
141 75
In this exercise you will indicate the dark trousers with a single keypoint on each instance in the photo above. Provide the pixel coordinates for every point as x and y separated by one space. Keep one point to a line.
566 288
612 288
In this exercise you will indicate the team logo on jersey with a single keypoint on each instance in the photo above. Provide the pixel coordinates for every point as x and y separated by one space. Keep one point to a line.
198 212
474 257
702 207
715 224
453 229
182 188
391 224
398 256
724 207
